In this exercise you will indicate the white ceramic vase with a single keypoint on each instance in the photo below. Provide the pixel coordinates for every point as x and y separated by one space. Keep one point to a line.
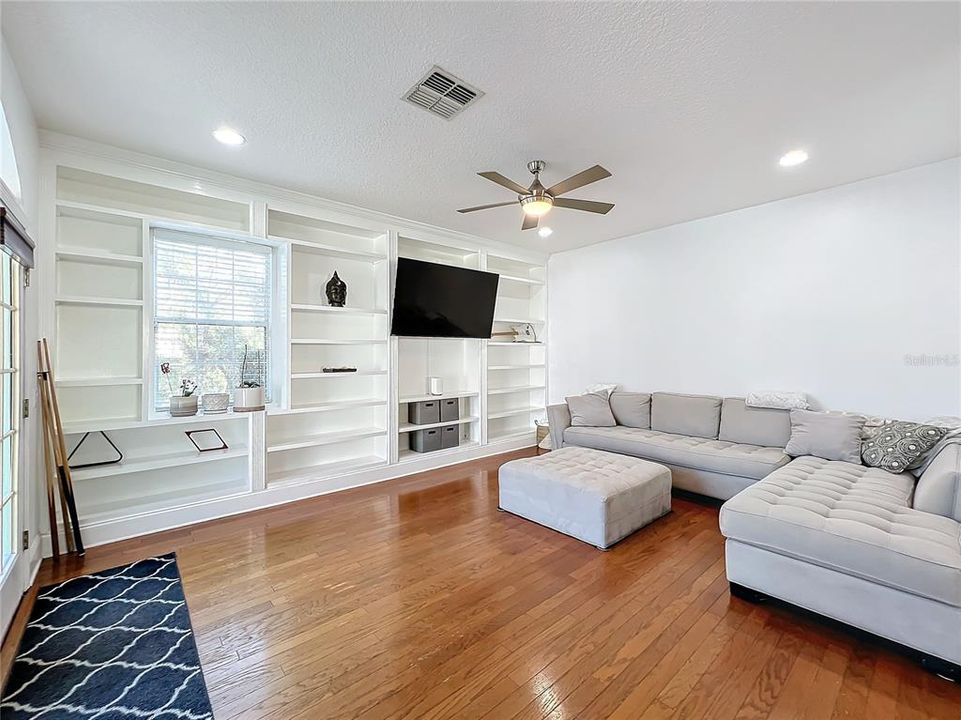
248 399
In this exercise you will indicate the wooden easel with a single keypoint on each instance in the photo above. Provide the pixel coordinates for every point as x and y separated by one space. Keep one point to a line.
55 455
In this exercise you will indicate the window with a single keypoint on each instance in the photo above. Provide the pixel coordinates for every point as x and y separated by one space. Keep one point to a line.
9 406
211 299
9 174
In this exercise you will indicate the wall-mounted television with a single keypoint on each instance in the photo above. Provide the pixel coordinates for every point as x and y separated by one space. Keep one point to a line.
432 300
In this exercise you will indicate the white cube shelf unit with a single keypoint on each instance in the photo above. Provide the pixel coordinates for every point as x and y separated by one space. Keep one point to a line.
323 431
516 371
339 421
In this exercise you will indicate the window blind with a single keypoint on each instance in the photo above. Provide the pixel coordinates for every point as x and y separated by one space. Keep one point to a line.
211 298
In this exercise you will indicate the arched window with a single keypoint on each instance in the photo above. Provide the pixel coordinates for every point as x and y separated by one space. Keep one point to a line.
9 173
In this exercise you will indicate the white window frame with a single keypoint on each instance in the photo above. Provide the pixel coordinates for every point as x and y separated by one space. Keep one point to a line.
203 238
13 573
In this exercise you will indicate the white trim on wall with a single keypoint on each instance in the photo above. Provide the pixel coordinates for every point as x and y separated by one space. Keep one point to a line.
139 167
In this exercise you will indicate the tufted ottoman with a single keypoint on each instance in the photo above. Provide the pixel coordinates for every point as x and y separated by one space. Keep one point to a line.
844 541
591 495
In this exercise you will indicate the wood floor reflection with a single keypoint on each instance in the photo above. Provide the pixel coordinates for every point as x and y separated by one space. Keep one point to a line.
415 598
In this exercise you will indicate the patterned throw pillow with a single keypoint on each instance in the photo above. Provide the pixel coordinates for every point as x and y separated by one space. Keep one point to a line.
896 445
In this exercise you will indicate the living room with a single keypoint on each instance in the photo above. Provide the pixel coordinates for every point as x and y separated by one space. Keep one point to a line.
501 360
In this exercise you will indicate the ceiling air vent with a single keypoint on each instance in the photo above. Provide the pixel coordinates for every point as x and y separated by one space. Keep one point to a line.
442 94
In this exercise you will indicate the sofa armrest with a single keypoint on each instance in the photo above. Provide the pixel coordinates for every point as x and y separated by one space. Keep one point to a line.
559 419
939 487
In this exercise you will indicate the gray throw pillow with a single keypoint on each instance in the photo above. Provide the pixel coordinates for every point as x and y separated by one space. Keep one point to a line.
632 409
590 410
897 446
825 435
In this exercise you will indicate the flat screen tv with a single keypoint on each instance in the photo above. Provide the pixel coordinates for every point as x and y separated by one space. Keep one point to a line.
432 300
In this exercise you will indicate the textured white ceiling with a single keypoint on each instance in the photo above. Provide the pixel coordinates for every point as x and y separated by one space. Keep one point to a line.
689 105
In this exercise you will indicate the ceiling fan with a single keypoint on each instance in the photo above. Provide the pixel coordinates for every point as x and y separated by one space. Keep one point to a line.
536 200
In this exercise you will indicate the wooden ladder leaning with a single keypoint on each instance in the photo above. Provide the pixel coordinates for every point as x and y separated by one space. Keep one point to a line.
57 475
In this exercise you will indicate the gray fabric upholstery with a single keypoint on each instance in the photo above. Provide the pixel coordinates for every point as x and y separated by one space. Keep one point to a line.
558 420
919 622
594 496
705 482
632 409
939 487
749 461
767 427
698 415
830 436
851 519
591 410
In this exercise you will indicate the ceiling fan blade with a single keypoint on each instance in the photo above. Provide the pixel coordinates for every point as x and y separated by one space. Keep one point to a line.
588 205
585 177
487 207
530 222
505 182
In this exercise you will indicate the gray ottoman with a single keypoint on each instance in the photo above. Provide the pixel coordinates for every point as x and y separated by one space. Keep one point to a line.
592 495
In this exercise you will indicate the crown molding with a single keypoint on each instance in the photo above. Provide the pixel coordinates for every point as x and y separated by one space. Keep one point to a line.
62 143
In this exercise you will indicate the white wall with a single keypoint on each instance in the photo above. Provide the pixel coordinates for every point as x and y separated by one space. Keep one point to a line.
23 133
850 294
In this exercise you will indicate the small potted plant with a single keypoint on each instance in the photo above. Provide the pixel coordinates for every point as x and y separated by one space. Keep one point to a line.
249 396
183 402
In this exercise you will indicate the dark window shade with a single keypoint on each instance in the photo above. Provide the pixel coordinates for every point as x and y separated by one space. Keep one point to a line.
14 239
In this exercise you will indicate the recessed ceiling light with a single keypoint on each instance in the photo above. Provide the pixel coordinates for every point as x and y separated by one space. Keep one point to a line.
229 136
545 232
792 158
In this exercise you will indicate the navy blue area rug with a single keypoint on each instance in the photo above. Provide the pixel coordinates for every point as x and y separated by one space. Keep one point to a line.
115 645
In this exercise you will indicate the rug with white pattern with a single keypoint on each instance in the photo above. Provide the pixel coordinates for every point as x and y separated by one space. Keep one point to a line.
114 645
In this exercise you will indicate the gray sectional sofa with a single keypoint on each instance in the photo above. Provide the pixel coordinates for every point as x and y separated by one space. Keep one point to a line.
877 550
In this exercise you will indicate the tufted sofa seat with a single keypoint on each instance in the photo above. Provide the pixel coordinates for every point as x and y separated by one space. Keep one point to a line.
853 543
852 519
721 456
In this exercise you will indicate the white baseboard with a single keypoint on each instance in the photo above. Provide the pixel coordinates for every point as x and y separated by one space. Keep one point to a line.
108 531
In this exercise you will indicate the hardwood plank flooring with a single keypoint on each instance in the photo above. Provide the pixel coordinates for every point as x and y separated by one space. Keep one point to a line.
415 598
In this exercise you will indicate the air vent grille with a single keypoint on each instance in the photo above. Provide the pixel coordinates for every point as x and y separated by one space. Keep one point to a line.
442 93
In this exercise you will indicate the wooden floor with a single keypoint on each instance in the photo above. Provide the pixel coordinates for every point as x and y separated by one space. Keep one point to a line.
417 599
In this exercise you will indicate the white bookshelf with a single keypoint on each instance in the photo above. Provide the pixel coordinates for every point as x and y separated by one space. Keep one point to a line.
98 312
332 422
322 431
456 361
100 344
161 468
516 372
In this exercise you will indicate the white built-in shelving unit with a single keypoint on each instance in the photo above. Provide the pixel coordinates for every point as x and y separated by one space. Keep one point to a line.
342 418
516 371
101 290
322 431
456 361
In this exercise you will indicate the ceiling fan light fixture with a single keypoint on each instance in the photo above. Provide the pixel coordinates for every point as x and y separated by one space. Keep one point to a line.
537 205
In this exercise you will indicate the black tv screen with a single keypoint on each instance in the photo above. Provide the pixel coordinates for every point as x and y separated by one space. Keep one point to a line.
432 300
